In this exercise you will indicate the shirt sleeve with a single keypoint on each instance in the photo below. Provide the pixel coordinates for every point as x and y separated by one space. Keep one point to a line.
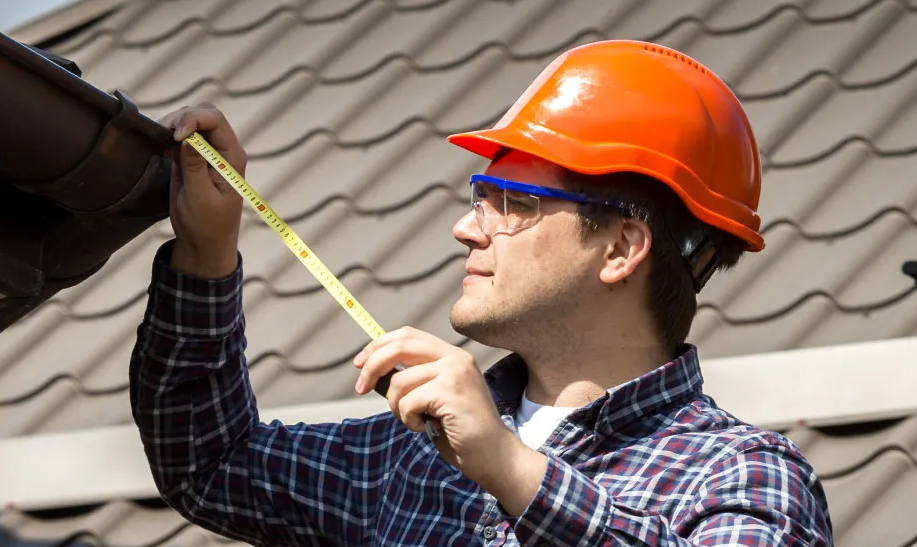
211 457
761 497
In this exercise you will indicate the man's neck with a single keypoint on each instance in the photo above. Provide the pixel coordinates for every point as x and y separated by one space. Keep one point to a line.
576 375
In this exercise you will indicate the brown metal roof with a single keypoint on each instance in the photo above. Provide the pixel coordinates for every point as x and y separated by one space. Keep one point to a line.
342 105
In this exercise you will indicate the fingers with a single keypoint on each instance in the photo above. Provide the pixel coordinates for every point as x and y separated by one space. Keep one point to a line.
397 337
415 406
405 346
210 122
204 118
406 381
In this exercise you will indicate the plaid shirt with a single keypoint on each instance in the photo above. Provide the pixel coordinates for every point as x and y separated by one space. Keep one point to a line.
655 462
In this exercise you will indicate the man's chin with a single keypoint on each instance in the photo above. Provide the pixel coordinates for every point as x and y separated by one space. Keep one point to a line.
472 320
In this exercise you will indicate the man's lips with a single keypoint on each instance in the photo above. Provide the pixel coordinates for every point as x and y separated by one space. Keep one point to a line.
475 271
474 274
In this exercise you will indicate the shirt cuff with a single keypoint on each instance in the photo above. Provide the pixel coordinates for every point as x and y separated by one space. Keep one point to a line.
567 509
184 306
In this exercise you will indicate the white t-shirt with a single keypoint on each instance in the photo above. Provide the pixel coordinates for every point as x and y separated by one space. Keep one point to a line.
536 422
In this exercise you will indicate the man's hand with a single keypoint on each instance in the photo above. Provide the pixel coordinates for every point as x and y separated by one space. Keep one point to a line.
442 381
205 210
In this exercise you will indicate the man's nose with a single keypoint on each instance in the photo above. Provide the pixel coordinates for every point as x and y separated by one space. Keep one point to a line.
468 232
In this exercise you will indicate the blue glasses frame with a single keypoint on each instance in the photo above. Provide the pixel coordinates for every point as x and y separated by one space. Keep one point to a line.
541 191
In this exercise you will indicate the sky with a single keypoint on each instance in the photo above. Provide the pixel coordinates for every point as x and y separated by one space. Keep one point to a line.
15 12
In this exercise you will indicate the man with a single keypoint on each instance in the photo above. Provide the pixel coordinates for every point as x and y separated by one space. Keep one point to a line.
620 180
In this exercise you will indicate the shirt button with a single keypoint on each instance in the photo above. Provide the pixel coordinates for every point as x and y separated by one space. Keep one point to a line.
490 532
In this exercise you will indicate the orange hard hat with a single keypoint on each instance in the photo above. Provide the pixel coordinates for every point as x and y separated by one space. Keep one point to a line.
622 105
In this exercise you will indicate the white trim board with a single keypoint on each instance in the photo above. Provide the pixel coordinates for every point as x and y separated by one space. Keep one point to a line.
824 386
97 465
818 386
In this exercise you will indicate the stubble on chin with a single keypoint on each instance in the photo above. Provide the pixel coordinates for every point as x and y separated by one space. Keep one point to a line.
487 323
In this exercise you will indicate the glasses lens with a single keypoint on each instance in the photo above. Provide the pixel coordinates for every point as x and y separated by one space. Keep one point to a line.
487 200
503 211
520 210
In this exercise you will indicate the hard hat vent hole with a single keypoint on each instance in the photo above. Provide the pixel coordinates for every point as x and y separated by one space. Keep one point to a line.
669 53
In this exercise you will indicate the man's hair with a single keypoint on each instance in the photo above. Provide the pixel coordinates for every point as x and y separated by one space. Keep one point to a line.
671 296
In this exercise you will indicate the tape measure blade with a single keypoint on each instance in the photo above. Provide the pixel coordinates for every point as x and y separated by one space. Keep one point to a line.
294 243
297 246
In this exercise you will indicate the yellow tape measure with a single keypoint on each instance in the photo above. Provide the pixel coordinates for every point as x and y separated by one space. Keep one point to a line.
302 251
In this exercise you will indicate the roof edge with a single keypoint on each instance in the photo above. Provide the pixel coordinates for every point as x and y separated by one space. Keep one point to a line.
61 20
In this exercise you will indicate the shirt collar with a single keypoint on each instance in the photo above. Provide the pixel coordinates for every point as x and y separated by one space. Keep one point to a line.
678 380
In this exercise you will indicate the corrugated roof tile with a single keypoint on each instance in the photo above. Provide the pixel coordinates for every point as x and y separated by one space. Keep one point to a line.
401 34
483 23
800 267
835 450
240 16
862 113
821 10
410 96
890 53
883 281
653 20
212 57
123 16
159 23
878 503
558 28
740 57
481 99
859 182
305 48
774 118
718 337
824 48
736 16
128 68
349 102
333 10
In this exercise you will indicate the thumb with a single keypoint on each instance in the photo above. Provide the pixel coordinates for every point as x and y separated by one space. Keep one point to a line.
194 171
192 163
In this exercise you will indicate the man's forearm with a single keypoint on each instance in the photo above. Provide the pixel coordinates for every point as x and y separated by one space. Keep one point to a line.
516 484
187 372
560 506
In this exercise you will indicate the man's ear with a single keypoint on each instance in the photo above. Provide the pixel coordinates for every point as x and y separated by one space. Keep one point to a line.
628 247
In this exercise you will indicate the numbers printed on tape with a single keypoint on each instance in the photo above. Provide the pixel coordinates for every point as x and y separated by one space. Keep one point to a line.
296 245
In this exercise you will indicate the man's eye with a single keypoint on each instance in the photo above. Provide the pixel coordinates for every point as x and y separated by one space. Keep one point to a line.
519 203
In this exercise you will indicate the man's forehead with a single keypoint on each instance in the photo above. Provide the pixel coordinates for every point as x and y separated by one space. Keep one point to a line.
524 167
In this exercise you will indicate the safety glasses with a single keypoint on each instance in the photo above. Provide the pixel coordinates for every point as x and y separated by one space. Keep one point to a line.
507 207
